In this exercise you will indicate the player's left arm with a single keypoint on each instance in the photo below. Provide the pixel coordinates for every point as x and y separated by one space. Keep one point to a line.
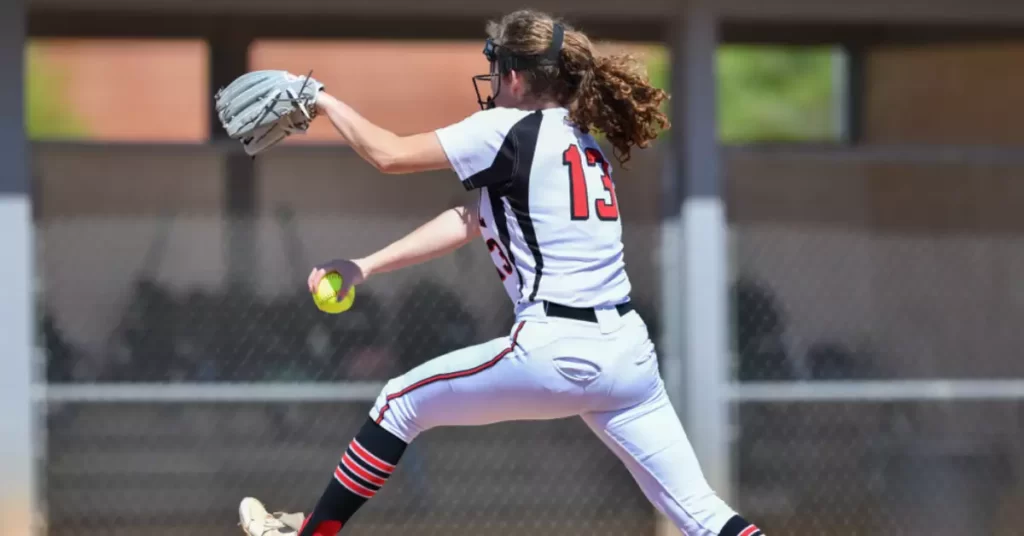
444 234
383 149
440 236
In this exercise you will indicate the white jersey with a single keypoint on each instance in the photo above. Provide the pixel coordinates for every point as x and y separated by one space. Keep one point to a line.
548 213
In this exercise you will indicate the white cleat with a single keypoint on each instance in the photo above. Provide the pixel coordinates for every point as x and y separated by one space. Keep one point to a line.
256 521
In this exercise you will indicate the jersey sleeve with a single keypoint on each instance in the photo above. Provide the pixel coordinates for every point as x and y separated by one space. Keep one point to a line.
482 147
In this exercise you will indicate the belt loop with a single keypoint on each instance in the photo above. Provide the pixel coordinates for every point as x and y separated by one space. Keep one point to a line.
608 319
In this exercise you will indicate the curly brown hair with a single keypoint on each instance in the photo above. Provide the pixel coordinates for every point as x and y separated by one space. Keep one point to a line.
610 94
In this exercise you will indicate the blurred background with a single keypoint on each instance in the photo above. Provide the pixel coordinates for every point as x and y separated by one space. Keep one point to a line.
869 168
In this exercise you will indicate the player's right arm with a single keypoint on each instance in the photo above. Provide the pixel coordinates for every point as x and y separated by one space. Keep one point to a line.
445 233
470 147
383 149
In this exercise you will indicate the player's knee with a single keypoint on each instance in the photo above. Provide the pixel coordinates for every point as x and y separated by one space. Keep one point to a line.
384 406
382 397
393 413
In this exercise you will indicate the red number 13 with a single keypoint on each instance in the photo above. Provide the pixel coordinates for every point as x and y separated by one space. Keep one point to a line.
606 209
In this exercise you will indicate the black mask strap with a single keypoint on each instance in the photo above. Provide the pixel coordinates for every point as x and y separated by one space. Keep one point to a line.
555 49
505 61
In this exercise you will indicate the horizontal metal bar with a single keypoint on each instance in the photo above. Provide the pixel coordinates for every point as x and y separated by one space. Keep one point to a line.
877 391
922 154
888 153
823 391
209 392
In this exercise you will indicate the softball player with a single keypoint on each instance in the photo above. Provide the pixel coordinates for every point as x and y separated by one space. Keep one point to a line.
547 213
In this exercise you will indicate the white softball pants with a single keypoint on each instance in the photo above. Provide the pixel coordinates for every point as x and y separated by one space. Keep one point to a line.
550 368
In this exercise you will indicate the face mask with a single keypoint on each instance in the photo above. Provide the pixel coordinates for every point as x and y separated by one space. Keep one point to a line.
504 61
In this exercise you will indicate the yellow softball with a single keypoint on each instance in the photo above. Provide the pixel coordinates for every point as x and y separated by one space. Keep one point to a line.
326 296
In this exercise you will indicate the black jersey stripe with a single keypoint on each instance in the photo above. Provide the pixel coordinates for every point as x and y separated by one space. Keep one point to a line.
518 193
508 177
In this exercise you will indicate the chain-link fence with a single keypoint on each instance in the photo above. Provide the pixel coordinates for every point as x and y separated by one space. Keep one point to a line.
896 270
886 268
131 468
139 287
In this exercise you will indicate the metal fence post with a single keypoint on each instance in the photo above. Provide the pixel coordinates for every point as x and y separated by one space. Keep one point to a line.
701 263
17 318
694 264
229 58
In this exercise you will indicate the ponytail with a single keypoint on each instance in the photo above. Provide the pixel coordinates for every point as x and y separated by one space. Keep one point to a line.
608 94
615 98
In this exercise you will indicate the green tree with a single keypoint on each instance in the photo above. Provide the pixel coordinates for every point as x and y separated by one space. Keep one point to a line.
48 114
768 93
775 94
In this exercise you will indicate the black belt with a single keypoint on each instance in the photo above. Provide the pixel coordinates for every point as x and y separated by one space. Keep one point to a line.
586 314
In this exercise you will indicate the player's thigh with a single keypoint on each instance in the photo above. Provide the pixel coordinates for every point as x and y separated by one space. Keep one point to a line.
410 400
487 383
651 442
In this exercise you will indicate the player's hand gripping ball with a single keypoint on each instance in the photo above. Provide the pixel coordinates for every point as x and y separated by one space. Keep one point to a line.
326 295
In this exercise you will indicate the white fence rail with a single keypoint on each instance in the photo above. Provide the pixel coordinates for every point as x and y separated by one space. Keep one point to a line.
763 392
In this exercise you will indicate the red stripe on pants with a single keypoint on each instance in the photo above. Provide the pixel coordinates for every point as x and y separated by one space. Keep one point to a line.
451 375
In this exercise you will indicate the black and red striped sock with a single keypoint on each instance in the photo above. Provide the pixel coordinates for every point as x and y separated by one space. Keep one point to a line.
737 526
364 468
